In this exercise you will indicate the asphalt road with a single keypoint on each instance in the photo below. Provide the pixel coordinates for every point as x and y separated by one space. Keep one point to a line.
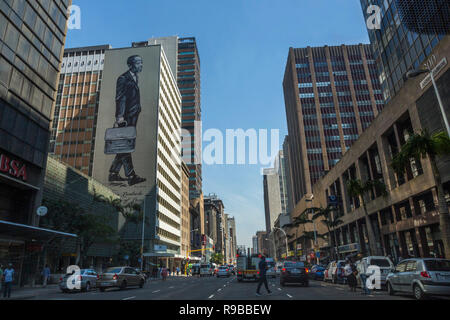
212 288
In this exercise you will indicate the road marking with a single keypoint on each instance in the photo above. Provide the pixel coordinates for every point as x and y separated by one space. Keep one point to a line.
156 291
224 285
279 289
211 296
129 298
171 287
219 290
289 295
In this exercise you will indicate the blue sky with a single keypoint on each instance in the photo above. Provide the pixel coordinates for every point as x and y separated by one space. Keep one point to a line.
243 46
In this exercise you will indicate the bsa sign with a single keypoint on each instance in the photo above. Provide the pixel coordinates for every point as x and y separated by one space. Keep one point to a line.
13 167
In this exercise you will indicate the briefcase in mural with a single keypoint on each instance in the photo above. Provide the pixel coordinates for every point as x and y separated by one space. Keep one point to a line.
120 140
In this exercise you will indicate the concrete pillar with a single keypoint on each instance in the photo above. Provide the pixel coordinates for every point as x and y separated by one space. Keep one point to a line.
362 242
383 244
421 243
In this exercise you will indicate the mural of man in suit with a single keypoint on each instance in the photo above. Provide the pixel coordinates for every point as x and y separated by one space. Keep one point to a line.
128 107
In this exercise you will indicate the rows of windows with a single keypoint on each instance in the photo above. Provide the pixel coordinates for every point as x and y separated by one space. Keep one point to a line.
168 178
168 206
169 165
166 234
167 220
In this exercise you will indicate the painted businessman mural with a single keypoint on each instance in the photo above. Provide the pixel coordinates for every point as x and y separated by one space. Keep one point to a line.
125 149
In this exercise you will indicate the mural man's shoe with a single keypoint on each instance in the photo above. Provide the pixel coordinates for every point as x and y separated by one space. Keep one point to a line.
135 179
114 177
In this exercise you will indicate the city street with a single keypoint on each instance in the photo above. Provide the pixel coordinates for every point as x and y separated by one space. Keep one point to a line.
212 288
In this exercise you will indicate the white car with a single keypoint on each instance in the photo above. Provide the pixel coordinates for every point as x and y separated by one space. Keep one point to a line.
335 272
384 263
224 271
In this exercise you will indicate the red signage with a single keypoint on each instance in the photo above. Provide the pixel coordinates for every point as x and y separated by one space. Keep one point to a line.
13 167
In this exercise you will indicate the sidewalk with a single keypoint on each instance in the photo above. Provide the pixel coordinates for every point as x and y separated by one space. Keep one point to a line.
25 293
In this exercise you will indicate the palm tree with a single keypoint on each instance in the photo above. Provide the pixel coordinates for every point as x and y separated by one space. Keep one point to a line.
328 221
358 189
300 220
422 145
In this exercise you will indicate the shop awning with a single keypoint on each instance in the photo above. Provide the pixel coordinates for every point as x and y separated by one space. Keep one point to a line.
31 233
159 254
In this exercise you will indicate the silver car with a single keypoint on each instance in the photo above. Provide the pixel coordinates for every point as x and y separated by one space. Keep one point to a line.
120 277
84 281
223 271
421 277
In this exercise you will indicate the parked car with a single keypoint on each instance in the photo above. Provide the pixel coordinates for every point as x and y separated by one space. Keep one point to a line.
335 272
120 277
279 266
317 272
207 270
143 273
294 272
384 263
223 271
421 277
85 281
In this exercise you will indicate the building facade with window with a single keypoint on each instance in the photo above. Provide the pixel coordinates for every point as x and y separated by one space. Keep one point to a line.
407 221
332 94
32 38
409 31
74 119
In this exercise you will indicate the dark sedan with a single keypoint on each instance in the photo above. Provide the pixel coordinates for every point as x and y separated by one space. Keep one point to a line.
294 272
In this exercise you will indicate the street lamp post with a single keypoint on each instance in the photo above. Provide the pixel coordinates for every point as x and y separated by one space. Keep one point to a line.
143 235
285 237
414 73
309 199
274 247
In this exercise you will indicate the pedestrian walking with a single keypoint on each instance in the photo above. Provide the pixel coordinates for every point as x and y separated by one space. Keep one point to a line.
178 271
262 266
46 274
164 273
8 278
350 271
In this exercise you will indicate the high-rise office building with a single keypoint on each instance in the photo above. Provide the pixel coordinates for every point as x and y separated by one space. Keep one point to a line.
425 16
211 212
148 171
332 94
232 239
287 161
397 46
32 37
189 85
183 57
74 119
254 245
272 198
280 167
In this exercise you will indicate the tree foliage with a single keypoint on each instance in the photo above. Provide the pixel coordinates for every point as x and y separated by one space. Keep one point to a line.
421 145
71 218
217 258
